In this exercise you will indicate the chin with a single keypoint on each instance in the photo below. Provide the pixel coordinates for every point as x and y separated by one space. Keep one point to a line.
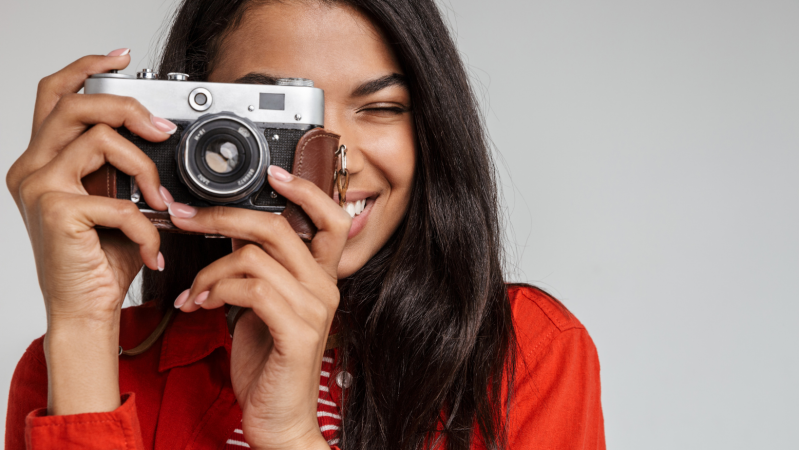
348 266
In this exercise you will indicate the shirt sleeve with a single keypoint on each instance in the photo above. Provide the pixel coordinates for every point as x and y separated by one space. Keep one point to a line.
28 391
29 427
89 431
557 402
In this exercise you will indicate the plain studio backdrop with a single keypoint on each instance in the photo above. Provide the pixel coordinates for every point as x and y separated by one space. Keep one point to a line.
648 153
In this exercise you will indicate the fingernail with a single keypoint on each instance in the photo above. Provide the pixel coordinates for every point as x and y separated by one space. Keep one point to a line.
168 199
163 124
279 173
119 52
182 211
201 298
182 298
161 263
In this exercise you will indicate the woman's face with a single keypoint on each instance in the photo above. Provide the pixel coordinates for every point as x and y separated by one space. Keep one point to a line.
366 101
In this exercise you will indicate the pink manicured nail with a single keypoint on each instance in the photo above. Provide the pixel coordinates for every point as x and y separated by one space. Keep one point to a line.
168 199
183 211
161 263
279 173
201 298
182 298
163 124
119 52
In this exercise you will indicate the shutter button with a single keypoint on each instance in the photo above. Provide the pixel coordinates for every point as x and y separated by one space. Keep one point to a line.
344 379
147 74
177 76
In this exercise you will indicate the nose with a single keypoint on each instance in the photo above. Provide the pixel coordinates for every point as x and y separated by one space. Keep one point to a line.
335 123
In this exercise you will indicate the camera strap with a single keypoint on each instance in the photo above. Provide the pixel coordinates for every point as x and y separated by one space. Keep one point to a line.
147 343
342 176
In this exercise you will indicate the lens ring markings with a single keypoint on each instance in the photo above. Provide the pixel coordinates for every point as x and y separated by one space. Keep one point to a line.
212 132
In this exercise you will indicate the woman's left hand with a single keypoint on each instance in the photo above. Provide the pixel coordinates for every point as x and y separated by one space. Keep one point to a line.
291 289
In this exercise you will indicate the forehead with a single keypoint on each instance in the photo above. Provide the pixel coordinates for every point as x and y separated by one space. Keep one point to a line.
331 44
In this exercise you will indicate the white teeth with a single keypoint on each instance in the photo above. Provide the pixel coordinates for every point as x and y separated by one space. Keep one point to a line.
355 208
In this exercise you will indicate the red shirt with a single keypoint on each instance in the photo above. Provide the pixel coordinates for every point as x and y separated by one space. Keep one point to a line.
178 394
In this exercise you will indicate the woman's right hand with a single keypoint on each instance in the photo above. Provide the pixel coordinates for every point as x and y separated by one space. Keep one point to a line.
84 273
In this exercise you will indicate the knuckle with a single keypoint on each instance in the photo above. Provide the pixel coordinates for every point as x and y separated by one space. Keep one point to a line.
201 280
155 237
51 209
258 289
102 134
320 312
250 254
131 105
86 63
282 225
66 102
148 165
218 214
126 210
331 297
28 189
309 336
341 223
12 179
45 84
219 218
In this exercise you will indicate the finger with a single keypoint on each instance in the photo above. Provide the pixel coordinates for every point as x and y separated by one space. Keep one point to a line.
74 113
88 153
332 222
252 262
289 331
78 213
271 231
70 79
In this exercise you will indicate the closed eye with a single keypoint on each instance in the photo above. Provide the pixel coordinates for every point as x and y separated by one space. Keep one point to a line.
385 110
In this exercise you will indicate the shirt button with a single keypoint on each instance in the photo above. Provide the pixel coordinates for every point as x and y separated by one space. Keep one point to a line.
344 379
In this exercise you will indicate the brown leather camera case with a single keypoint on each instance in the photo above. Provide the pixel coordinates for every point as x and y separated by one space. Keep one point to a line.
314 160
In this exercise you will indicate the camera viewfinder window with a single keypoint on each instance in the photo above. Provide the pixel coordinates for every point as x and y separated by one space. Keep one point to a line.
273 101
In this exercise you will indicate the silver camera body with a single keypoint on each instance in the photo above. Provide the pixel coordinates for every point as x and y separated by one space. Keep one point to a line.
228 134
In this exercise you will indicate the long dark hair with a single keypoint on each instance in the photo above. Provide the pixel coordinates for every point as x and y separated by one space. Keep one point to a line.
427 326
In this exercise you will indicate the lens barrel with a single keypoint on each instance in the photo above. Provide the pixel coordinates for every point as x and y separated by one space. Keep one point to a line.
222 158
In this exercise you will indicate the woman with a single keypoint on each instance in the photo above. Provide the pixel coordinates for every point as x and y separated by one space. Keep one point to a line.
434 350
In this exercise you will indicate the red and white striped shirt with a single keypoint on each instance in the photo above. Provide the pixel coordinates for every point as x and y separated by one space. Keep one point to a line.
328 413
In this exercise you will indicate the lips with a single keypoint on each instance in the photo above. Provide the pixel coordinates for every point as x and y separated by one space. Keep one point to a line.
359 205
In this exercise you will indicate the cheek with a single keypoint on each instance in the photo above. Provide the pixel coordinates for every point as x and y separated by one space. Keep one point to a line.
395 157
392 156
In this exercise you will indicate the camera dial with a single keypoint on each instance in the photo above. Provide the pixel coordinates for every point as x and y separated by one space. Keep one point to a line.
222 158
177 76
147 74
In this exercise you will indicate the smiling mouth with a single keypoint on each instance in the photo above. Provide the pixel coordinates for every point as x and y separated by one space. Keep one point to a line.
359 211
355 208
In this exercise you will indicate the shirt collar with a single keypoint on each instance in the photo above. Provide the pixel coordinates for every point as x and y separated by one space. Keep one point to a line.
193 336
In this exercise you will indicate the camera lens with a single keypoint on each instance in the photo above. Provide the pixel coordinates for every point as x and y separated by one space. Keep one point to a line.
222 158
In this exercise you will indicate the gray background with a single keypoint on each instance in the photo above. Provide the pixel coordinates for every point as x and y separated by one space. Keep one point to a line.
648 154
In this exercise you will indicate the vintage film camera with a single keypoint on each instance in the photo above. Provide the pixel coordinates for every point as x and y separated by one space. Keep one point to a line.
228 134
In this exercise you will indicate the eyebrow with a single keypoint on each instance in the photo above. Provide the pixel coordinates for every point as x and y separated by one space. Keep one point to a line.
372 86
